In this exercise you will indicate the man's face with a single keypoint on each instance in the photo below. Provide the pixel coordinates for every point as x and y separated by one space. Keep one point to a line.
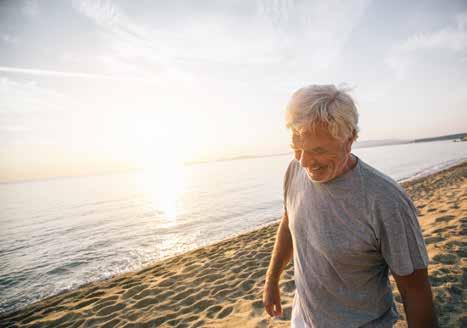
320 154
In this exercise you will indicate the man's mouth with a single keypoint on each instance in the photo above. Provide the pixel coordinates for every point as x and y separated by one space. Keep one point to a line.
316 169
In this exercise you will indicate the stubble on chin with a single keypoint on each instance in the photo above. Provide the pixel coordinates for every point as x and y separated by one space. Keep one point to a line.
314 178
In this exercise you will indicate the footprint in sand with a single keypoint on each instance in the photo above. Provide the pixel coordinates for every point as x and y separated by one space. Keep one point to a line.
96 294
456 289
259 273
434 240
236 269
201 294
437 278
288 286
445 258
183 294
257 305
167 282
286 313
213 310
110 309
212 277
191 318
202 305
174 322
457 247
149 292
440 230
247 285
445 218
157 322
85 303
133 291
251 296
219 288
225 312
104 302
70 316
199 323
224 292
97 321
146 302
110 324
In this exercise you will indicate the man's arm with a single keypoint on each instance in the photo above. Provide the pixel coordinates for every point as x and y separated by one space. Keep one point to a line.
281 255
416 294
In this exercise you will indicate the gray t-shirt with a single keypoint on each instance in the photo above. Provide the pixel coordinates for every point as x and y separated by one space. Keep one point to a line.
346 234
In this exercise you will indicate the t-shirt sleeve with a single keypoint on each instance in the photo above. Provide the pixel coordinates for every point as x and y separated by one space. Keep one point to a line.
401 239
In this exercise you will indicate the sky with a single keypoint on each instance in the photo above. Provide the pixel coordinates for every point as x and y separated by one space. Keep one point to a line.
92 86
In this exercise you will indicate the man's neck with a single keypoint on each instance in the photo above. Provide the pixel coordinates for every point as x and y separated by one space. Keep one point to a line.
349 164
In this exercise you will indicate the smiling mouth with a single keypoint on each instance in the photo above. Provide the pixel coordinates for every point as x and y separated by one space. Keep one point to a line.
316 169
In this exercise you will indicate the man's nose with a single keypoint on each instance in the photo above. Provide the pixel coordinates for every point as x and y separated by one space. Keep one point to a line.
306 159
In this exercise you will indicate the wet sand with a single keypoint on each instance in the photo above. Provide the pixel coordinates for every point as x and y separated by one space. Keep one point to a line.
221 285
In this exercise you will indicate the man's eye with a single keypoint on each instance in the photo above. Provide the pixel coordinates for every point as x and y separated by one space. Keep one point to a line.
319 151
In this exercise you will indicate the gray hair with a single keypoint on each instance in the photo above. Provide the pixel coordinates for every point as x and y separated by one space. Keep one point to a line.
323 105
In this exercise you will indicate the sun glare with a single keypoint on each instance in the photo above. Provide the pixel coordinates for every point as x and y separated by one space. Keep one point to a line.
163 186
157 151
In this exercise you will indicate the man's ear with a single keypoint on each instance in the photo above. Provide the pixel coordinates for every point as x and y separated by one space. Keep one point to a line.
352 139
354 135
349 142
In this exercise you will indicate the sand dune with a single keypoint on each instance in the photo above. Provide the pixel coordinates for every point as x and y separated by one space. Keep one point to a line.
221 285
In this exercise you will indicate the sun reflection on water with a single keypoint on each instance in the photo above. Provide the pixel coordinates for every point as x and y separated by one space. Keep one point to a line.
163 184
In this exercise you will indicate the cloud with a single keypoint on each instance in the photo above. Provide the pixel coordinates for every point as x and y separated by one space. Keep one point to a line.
33 71
30 113
450 40
7 38
102 12
42 72
138 48
30 8
308 30
111 18
211 41
28 97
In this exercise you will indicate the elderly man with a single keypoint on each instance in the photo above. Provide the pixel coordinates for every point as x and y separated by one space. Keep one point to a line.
346 225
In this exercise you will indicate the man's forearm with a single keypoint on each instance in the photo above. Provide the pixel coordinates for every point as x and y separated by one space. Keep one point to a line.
282 252
420 310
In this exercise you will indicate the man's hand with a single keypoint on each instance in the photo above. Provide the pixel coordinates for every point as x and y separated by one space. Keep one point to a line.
281 255
272 298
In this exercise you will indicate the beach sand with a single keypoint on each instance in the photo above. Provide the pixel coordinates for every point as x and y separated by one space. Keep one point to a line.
221 285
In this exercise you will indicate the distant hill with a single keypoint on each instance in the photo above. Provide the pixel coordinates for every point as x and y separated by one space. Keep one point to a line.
377 143
446 137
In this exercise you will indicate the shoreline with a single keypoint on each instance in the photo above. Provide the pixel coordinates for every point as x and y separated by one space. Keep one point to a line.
221 284
438 168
